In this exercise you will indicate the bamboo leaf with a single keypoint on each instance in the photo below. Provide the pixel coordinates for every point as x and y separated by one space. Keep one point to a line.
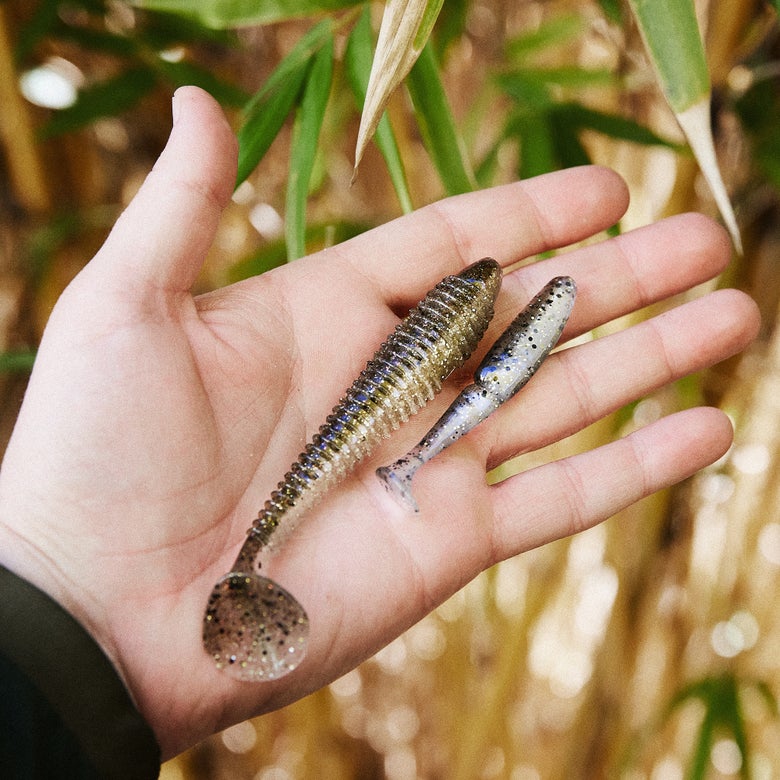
266 111
258 132
529 92
94 39
537 153
535 85
766 694
671 35
566 141
437 126
450 26
303 150
163 30
181 73
43 19
357 60
612 10
299 56
224 14
611 125
553 32
405 29
275 253
695 122
108 98
13 362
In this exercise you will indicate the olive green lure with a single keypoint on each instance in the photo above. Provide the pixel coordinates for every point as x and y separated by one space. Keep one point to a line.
253 628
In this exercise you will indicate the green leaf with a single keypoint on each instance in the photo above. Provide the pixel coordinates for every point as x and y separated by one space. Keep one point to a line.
12 362
610 125
38 26
265 113
300 56
566 140
537 150
526 89
161 30
612 10
223 14
182 73
44 19
357 61
95 39
722 713
673 41
437 126
671 35
430 14
303 148
450 26
275 253
108 98
259 131
558 30
564 77
759 114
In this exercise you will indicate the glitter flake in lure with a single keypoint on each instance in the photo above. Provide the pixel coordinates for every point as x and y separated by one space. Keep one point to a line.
507 367
253 628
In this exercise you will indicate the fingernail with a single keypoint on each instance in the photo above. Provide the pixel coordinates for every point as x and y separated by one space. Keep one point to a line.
175 108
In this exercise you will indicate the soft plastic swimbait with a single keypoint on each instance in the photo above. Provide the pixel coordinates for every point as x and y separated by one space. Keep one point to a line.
507 367
253 628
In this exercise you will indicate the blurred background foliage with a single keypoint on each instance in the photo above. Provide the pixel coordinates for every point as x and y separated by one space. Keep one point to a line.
648 647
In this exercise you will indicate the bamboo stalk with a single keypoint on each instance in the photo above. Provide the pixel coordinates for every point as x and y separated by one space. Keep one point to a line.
17 133
487 719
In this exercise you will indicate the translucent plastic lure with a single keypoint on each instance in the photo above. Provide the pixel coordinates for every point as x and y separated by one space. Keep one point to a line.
507 367
253 628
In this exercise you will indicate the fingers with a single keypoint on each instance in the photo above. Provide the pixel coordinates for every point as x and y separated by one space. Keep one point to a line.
409 255
578 386
570 495
623 274
162 237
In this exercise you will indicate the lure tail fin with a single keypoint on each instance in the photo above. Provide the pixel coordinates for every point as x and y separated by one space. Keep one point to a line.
398 482
253 628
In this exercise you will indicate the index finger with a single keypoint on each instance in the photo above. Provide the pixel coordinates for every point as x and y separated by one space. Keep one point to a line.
407 256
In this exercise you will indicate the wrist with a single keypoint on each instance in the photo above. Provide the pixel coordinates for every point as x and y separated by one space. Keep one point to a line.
56 667
44 571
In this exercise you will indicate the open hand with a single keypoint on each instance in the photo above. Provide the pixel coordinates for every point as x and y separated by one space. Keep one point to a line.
156 423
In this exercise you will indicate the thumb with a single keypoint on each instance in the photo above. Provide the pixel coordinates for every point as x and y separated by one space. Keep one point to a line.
161 239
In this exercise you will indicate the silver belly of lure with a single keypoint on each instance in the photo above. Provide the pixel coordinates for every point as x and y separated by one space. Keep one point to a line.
253 628
506 368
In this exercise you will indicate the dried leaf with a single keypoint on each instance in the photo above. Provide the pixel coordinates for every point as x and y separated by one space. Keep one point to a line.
357 62
695 122
406 26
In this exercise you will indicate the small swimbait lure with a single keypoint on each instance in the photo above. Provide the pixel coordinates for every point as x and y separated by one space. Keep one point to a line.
253 628
507 367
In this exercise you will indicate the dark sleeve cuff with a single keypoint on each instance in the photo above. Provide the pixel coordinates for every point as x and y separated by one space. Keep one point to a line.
64 711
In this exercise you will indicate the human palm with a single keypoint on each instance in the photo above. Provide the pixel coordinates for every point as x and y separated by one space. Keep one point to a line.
156 423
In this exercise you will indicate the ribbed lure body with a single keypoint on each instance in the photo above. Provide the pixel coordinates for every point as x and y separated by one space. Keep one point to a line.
253 628
506 368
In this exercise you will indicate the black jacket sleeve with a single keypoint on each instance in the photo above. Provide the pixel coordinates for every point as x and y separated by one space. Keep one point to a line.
64 711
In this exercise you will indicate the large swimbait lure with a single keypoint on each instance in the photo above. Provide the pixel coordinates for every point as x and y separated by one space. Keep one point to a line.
253 628
507 367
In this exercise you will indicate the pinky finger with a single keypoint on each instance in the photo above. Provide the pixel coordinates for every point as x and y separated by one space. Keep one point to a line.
569 495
